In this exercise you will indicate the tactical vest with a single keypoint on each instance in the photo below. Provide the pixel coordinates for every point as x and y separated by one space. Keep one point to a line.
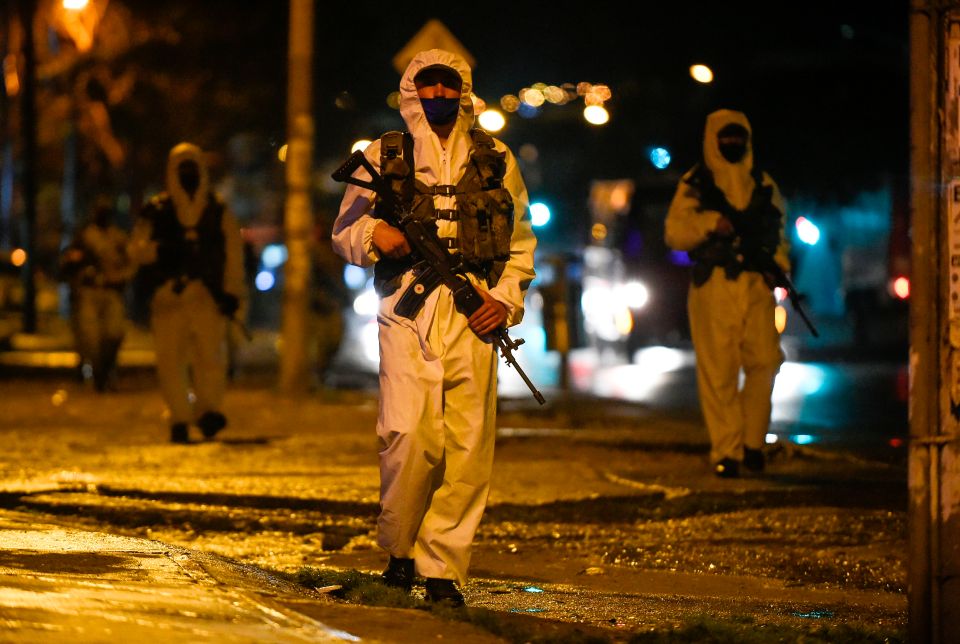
183 253
484 208
757 229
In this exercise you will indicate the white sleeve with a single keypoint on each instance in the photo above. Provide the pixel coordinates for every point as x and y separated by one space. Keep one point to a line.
352 235
687 225
519 270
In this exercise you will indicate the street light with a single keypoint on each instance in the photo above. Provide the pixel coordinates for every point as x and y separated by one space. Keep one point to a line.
79 19
701 73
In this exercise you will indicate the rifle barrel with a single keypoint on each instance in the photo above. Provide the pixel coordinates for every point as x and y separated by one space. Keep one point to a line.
504 343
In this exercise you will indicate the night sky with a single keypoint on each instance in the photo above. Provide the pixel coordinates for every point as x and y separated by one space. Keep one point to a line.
825 86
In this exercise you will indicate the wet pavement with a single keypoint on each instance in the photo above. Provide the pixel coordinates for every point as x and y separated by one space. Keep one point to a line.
63 585
603 515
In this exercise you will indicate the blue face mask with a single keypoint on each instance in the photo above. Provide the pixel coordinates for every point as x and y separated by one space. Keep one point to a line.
440 111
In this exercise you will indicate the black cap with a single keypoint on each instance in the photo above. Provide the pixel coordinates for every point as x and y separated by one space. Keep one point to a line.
733 130
446 76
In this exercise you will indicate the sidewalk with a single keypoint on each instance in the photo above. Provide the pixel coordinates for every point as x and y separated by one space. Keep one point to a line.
607 510
65 585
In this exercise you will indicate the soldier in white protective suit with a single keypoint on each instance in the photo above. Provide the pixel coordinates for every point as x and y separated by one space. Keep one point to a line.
729 216
438 369
98 269
191 255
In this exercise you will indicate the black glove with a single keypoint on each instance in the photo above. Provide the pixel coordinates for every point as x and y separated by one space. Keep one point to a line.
228 304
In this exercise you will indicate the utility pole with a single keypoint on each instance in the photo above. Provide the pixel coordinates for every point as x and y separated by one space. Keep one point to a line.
298 219
933 576
29 111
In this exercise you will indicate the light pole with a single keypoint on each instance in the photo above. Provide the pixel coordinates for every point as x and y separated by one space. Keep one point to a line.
933 573
28 109
298 217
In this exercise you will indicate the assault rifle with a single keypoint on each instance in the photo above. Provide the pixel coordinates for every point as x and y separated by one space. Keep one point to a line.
781 279
426 246
759 237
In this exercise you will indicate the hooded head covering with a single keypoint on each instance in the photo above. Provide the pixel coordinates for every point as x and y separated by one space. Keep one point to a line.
734 179
189 207
410 108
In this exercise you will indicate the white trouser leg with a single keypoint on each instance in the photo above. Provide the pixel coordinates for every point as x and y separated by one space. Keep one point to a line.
207 341
450 524
410 434
169 327
762 357
715 327
437 432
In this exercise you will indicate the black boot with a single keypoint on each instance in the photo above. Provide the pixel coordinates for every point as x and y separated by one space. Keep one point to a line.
210 423
399 573
178 433
727 468
443 591
753 459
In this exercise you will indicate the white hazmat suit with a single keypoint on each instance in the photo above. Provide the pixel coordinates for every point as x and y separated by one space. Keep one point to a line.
189 326
99 269
438 380
731 320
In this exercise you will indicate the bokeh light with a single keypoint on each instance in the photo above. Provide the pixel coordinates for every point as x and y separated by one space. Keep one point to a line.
901 287
780 318
529 152
634 294
360 145
264 281
273 255
532 97
510 103
807 231
596 114
539 214
491 120
701 73
354 276
660 158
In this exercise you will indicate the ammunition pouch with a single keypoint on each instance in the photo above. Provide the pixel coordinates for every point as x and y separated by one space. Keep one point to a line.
484 226
424 282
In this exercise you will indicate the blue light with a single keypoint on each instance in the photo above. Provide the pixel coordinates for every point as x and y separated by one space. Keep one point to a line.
527 111
264 281
660 158
273 255
803 439
354 276
539 214
680 258
807 231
